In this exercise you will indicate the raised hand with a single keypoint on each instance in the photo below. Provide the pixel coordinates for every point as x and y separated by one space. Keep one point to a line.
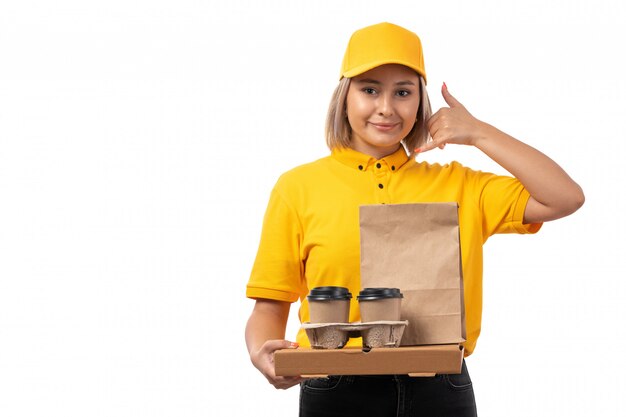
452 124
553 194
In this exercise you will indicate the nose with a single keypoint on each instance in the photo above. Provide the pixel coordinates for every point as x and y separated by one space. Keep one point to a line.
385 106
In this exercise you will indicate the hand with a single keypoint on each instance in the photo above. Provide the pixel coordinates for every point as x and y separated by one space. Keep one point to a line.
263 360
452 124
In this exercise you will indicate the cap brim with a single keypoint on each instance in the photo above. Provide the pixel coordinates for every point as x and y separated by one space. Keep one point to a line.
353 72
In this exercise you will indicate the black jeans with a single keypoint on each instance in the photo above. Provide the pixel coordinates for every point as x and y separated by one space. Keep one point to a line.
388 395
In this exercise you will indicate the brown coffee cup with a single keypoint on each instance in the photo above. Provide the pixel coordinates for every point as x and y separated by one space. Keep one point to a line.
380 304
329 305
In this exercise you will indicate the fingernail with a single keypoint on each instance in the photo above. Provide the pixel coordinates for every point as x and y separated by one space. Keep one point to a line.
445 86
294 345
417 150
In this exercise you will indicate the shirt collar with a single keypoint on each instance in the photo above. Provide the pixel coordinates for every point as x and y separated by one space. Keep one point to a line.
363 162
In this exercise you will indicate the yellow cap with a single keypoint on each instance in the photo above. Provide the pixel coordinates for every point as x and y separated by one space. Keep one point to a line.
384 43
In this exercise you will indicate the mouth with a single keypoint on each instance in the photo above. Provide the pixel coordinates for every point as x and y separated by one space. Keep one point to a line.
384 127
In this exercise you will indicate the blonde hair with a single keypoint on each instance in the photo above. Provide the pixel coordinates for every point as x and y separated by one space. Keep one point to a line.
338 130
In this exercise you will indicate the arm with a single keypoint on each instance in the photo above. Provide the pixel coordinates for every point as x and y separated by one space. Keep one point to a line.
265 333
553 193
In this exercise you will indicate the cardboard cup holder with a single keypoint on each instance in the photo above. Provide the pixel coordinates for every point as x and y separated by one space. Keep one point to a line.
375 334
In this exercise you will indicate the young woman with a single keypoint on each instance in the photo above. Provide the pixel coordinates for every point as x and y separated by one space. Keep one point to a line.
378 119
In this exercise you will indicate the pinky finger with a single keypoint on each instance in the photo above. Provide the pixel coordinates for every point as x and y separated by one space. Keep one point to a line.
288 382
425 147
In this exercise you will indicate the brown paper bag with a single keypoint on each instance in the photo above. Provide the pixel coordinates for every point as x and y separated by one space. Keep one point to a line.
415 247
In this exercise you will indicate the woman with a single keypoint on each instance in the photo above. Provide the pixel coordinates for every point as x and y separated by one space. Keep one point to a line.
379 117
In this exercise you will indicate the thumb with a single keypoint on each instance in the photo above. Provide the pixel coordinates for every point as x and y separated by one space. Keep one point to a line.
452 102
273 345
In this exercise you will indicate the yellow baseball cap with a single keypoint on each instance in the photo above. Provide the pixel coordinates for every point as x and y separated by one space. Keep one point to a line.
383 43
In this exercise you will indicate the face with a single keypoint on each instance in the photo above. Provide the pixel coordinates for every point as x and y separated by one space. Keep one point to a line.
382 105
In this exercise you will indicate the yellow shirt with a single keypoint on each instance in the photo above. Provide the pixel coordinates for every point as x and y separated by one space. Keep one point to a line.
310 234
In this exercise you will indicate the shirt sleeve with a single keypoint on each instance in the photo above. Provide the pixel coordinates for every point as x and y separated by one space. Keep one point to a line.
278 270
503 203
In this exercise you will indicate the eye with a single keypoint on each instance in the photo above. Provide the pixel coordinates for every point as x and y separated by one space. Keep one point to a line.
369 90
403 93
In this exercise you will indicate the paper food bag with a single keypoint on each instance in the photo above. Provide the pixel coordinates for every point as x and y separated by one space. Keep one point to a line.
415 247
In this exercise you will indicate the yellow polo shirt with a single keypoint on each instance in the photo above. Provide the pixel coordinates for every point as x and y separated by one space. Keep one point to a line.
310 234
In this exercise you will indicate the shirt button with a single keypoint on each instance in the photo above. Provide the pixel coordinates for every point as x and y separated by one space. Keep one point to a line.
360 167
380 186
378 165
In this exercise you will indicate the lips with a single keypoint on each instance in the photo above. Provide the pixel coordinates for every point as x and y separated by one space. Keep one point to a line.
384 126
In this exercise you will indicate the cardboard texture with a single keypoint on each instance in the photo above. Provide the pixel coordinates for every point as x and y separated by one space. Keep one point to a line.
384 333
412 360
415 247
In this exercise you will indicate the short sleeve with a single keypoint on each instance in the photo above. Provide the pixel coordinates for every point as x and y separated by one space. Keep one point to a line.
503 203
278 270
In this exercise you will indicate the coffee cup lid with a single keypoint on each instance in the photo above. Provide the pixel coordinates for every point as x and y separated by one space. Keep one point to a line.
367 294
329 294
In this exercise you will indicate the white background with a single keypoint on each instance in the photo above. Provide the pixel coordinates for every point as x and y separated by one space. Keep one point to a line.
139 141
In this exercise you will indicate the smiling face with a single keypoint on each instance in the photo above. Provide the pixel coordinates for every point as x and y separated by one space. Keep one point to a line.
381 105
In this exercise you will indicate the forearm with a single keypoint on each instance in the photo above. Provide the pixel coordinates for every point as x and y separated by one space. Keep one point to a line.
554 194
265 333
268 321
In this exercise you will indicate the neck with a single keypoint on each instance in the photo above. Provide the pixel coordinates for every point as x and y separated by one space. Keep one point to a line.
374 151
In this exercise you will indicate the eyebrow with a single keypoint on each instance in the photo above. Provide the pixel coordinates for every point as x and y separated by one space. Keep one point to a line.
373 81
